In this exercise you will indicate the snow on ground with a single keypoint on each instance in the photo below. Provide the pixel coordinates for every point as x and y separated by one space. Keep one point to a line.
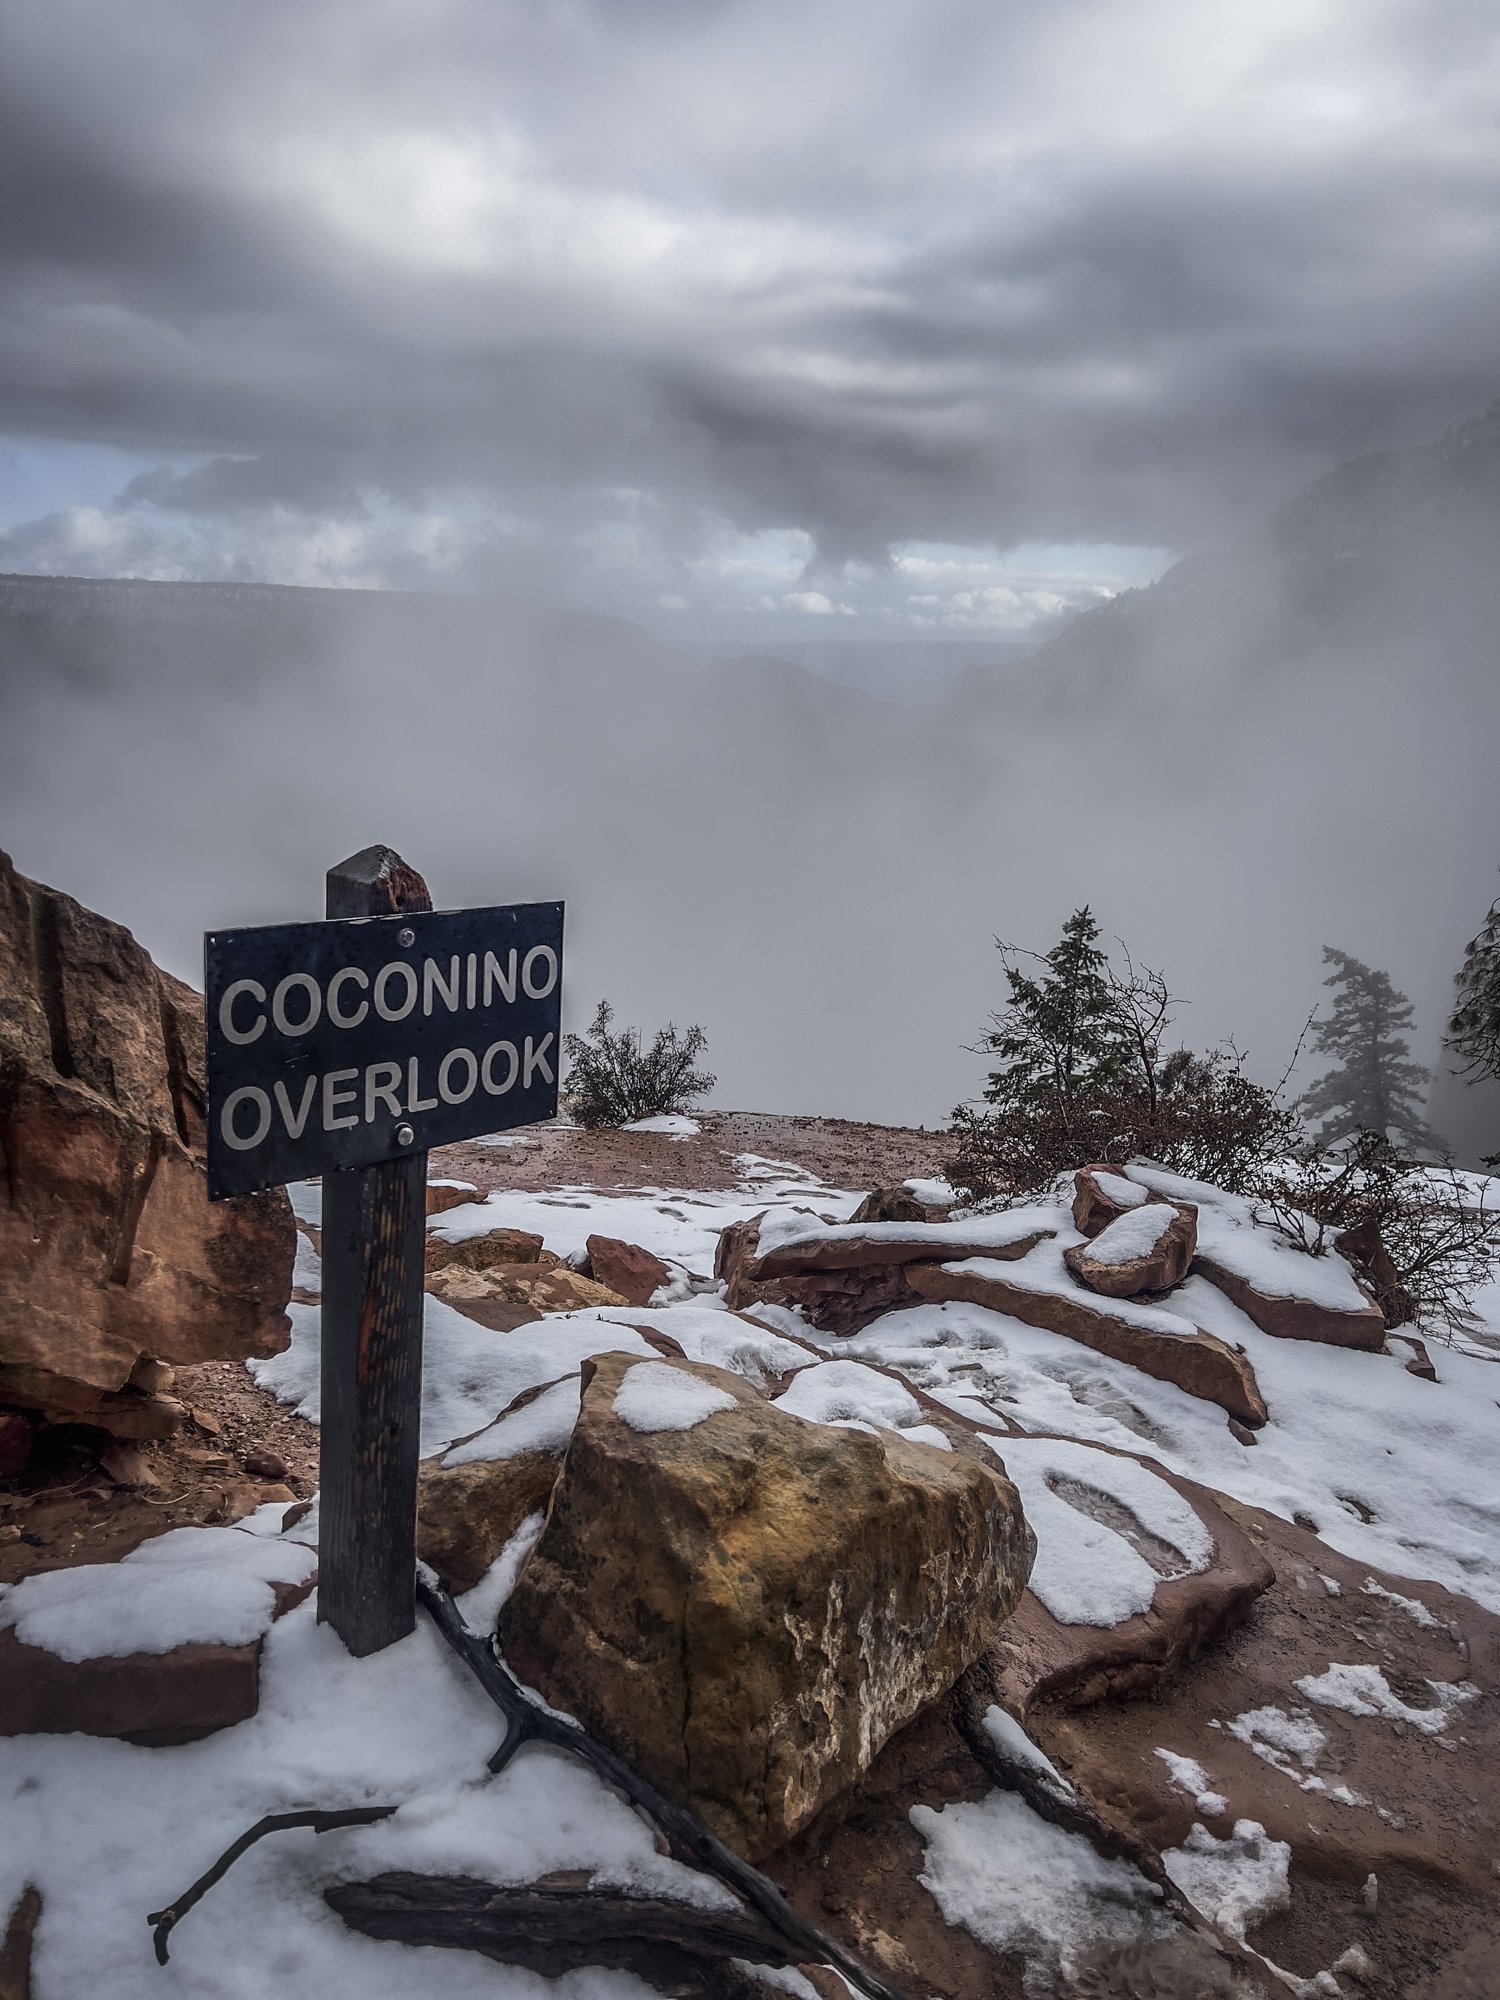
680 1225
1233 1881
1364 1690
675 1124
1018 1883
849 1394
109 1831
1350 1434
194 1585
1189 1776
1087 1572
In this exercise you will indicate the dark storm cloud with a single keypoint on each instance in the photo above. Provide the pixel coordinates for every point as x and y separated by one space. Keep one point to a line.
913 273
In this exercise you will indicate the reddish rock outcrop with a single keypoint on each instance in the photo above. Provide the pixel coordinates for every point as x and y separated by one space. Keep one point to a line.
890 1204
779 1600
171 1697
1197 1362
1127 1258
627 1269
1038 1659
845 1275
109 1247
1099 1197
443 1195
1290 1318
484 1253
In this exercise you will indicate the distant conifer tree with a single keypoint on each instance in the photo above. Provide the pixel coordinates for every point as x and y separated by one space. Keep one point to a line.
1374 1087
1474 1026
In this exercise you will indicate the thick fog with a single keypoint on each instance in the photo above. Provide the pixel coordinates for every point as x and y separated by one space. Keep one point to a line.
702 376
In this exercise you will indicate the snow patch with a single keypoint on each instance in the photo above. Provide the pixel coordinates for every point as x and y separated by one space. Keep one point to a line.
544 1425
674 1123
1364 1690
1233 1882
1018 1883
1017 1749
848 1393
655 1396
1087 1572
192 1586
1123 1193
1132 1236
1189 1776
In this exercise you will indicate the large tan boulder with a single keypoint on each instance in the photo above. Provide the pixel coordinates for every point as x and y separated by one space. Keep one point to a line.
488 1252
505 1296
775 1601
109 1247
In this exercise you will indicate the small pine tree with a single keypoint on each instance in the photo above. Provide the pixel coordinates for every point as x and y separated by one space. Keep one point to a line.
1062 1036
1374 1086
1474 1026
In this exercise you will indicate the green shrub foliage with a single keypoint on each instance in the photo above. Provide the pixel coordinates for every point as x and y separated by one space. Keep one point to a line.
613 1079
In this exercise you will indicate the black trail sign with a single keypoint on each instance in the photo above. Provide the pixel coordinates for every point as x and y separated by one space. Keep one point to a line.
346 1049
341 1044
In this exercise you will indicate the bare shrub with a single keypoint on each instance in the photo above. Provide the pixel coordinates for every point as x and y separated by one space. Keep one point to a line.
613 1079
1425 1237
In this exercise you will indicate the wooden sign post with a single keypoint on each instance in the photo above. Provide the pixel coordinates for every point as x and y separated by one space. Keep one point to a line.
374 1244
346 1049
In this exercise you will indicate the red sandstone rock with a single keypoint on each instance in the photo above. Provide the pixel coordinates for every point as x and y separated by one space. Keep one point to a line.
627 1269
1114 1264
171 1697
109 1246
1291 1318
1099 1197
443 1195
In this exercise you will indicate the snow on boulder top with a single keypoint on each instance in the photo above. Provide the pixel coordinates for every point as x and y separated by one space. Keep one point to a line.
673 1123
1042 1270
780 1233
1255 1251
655 1396
1134 1235
1124 1193
543 1425
192 1586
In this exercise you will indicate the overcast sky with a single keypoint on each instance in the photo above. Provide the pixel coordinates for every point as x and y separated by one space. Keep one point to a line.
904 316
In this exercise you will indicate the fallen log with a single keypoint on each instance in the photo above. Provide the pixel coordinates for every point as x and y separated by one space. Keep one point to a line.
687 1837
559 1926
694 1950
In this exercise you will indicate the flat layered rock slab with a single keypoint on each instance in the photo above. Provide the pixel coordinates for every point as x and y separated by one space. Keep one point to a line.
150 1698
1292 1318
1159 1343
